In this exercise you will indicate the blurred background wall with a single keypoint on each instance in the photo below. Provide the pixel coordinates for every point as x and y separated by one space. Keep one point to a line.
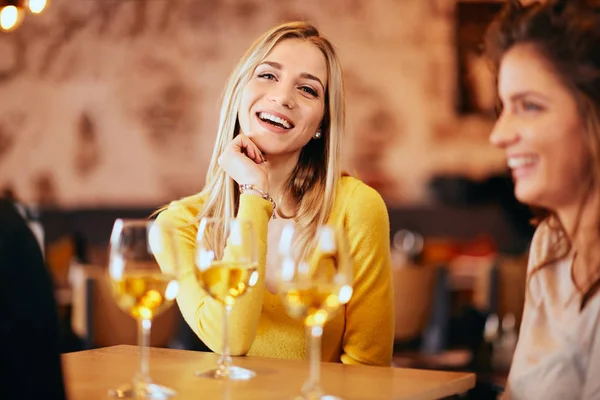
115 102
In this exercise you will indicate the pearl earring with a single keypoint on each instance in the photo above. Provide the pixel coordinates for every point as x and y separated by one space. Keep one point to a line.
317 134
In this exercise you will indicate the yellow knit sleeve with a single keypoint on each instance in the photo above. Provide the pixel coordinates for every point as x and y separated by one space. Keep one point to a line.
202 313
369 334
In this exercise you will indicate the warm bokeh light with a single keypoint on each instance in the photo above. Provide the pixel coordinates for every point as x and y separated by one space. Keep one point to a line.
345 294
37 6
10 18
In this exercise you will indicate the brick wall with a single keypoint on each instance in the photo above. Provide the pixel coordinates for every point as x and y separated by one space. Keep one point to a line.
111 102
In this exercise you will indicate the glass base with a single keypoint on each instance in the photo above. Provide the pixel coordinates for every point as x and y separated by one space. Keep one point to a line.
145 390
230 373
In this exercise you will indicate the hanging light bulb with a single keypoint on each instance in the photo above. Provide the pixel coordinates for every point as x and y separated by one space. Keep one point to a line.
12 12
11 17
37 6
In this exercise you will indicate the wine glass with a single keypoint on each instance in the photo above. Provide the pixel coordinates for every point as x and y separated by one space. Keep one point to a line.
142 289
226 268
314 280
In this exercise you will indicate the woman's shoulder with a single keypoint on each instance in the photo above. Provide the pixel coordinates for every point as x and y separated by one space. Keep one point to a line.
183 209
356 197
544 238
353 189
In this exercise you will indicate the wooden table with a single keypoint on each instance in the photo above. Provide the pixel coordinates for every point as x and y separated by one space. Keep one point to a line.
89 375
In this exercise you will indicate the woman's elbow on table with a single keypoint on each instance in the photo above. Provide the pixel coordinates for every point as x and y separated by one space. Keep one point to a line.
237 348
210 330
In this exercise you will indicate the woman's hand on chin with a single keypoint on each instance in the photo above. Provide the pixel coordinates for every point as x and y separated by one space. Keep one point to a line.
245 163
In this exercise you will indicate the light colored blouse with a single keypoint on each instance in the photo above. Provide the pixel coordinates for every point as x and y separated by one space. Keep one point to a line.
558 352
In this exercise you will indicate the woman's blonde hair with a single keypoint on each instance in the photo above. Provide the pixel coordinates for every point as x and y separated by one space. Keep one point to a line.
314 181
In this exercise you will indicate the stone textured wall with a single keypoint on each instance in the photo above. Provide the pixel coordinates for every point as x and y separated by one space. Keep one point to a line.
112 102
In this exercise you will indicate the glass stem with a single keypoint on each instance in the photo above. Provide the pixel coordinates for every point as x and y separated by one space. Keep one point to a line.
312 387
225 359
144 326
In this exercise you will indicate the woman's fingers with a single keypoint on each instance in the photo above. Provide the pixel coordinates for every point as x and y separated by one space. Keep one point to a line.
247 146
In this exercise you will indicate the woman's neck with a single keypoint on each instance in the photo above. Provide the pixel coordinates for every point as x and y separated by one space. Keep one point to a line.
581 224
279 170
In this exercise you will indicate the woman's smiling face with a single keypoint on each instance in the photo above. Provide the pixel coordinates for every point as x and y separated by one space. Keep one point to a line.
283 104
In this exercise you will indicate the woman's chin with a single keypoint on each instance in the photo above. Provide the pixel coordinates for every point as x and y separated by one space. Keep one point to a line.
270 152
530 198
267 147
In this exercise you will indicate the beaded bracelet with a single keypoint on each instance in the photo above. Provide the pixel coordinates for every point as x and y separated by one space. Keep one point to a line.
246 187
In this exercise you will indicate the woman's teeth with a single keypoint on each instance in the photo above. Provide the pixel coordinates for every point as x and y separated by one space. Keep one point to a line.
272 118
522 161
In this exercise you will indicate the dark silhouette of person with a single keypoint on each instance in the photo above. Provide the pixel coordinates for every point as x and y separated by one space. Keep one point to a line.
30 363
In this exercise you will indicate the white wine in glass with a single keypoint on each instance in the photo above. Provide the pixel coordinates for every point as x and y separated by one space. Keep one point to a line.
227 280
142 289
315 281
226 268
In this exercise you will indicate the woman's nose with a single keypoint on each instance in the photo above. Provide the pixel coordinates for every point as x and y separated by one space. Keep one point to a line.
283 95
504 132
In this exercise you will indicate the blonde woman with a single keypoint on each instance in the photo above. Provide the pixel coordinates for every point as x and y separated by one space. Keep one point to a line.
279 138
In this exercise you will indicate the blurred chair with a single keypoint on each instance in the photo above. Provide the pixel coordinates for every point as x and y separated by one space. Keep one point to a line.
512 286
500 287
498 295
424 311
413 298
99 322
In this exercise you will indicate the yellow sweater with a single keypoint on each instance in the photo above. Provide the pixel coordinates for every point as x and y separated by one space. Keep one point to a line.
362 333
